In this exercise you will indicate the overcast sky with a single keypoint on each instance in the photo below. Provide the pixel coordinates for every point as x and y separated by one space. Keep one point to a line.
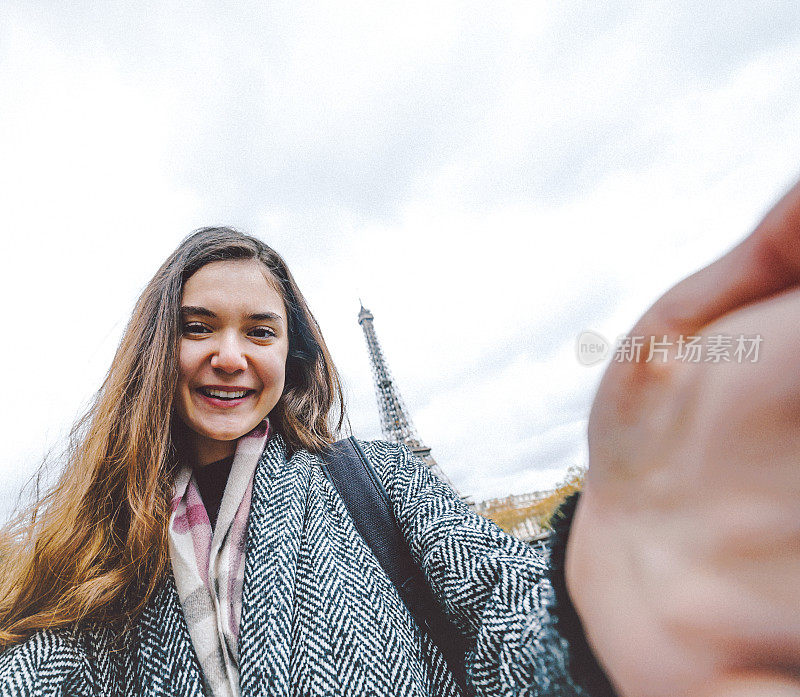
491 178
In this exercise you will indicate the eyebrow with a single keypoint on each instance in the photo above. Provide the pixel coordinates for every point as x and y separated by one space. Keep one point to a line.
205 312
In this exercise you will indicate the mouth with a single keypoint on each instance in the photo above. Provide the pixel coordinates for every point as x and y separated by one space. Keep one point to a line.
225 396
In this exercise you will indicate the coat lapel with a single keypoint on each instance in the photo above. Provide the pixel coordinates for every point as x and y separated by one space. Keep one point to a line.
275 528
167 662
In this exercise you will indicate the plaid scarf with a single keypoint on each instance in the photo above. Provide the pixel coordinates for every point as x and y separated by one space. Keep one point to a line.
209 568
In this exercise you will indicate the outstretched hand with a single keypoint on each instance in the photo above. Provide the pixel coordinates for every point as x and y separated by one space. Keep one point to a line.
684 555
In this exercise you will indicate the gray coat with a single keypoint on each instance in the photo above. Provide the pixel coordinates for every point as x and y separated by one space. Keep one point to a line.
319 615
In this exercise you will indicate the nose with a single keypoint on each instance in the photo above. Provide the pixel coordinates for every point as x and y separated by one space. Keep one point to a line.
229 356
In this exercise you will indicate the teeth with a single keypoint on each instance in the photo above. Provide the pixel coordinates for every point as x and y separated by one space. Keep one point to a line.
223 394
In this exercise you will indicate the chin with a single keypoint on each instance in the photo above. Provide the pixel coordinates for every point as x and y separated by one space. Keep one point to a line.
229 435
225 433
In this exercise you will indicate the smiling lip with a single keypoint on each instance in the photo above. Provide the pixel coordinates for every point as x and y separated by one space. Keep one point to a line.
224 395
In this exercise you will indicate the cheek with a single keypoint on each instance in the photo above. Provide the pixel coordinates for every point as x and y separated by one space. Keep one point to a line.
273 371
188 361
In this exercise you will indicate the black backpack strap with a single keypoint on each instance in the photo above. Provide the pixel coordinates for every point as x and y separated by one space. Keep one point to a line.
351 473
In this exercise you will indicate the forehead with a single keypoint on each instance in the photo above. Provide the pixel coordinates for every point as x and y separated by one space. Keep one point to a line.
232 284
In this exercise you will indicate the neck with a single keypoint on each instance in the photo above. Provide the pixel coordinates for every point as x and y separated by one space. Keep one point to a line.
204 451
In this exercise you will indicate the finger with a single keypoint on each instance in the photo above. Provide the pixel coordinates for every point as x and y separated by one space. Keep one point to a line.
765 263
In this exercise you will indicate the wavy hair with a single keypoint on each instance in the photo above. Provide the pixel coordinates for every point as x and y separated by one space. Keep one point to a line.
94 548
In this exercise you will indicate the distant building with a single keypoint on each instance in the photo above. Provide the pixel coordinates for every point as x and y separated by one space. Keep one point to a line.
518 514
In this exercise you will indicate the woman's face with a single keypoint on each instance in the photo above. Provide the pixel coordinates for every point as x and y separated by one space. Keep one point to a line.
232 357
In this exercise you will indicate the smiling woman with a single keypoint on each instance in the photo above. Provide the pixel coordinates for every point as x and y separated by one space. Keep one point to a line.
220 339
195 546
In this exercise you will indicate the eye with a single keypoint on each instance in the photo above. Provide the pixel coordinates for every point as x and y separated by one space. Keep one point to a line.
195 328
262 333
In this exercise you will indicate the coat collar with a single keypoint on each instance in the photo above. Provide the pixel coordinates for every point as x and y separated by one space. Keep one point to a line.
275 527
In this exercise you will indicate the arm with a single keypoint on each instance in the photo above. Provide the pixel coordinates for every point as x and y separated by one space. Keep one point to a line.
494 586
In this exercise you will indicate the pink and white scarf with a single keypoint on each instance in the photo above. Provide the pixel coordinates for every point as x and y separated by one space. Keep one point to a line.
209 568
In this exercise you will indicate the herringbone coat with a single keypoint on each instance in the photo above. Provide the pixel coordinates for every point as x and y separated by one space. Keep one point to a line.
319 615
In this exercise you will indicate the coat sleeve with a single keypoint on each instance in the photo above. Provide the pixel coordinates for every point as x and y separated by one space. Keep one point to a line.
494 586
48 664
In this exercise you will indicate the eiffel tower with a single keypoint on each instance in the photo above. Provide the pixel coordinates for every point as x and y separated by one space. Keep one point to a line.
395 420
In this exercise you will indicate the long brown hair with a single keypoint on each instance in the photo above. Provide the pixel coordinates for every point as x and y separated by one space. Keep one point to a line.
94 547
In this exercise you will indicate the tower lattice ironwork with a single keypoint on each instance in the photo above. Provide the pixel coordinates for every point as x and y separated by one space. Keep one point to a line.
395 420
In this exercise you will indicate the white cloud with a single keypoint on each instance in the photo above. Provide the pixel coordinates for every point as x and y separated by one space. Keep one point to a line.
491 178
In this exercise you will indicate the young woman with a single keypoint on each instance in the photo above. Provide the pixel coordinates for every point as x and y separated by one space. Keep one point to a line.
194 546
